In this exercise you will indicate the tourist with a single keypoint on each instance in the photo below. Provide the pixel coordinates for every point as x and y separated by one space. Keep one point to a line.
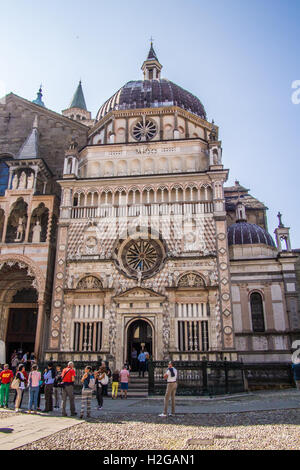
296 370
101 379
49 378
57 387
34 387
88 385
171 377
115 384
142 363
20 376
105 365
20 354
6 377
68 378
124 379
14 361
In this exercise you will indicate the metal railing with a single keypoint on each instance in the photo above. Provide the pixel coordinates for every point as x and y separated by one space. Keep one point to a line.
218 378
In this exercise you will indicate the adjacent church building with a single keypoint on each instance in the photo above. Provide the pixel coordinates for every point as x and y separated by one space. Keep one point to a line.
120 232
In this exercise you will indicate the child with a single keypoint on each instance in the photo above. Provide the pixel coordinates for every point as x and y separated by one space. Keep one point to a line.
115 384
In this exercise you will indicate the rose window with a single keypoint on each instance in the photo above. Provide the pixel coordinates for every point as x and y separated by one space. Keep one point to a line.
142 257
144 130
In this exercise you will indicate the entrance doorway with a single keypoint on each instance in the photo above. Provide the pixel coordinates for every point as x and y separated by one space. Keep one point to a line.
139 337
22 322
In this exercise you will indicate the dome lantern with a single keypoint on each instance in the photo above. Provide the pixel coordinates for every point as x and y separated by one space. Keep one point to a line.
151 66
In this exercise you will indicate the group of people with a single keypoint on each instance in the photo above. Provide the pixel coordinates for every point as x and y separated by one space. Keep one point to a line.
139 361
57 384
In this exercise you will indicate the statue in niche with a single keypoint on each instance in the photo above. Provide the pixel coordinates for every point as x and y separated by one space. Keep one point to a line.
36 232
20 230
139 278
15 181
30 181
22 182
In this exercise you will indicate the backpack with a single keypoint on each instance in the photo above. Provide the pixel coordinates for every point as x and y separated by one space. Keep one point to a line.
104 381
92 383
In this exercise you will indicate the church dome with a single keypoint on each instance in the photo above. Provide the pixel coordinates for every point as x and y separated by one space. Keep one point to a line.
243 233
152 94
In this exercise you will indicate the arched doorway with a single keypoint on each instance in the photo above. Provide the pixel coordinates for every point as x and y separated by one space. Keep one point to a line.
22 322
139 336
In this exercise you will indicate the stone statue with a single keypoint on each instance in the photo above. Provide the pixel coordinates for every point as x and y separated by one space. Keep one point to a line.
20 230
15 181
36 232
22 182
30 181
139 278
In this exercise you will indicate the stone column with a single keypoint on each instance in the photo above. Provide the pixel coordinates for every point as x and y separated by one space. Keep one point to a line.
39 327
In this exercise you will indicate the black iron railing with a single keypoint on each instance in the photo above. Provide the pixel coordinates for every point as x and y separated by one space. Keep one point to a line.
218 378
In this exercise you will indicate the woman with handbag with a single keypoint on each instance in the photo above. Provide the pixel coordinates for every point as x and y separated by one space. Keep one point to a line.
101 379
19 386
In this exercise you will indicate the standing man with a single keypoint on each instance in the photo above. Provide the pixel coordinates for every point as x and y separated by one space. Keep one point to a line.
6 377
171 377
49 378
68 378
142 363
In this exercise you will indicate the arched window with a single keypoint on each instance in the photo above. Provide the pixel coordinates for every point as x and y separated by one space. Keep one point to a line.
4 173
257 312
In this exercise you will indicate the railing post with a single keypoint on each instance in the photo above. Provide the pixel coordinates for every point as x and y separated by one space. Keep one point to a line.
204 376
150 377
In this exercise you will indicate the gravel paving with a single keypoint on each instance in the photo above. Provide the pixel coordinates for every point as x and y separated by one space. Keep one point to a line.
257 430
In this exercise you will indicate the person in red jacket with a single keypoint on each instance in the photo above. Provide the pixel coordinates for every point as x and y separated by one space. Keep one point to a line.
6 377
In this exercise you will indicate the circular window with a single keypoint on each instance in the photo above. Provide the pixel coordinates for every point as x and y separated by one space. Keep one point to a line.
144 130
142 257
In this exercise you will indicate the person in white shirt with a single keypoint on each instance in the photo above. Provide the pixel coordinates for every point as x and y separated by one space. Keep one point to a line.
171 377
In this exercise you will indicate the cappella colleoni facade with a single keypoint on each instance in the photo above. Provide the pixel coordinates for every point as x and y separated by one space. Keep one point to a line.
120 233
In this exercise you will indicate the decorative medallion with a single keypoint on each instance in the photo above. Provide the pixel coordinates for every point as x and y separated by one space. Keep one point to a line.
227 330
57 303
59 275
223 266
55 333
225 296
221 236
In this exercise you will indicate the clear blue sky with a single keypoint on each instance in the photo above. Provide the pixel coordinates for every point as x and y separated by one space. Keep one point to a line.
239 57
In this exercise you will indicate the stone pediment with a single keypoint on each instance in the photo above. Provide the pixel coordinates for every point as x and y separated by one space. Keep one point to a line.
139 293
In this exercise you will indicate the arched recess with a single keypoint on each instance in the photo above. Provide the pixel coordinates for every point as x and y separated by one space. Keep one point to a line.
18 272
17 222
191 279
39 224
